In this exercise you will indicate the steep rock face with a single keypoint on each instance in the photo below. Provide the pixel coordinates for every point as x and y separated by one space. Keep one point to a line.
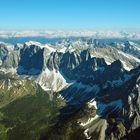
9 57
11 60
3 52
96 71
46 55
31 58
85 55
132 107
69 61
113 71
88 70
54 60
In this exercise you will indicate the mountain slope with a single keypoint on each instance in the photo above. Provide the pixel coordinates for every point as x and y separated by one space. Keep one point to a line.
26 110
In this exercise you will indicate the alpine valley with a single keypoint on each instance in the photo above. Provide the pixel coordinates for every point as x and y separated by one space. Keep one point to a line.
70 89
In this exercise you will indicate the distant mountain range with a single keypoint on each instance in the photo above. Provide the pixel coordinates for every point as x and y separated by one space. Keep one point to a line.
70 89
60 33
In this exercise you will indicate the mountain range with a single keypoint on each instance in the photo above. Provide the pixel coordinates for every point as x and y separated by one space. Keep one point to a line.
132 34
71 89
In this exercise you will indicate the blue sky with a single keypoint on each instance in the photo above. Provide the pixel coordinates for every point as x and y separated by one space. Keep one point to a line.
69 14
